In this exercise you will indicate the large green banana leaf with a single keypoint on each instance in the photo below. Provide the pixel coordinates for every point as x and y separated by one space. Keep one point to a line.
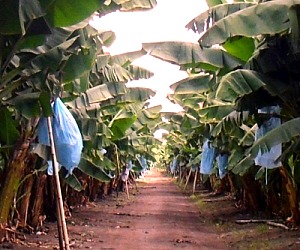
239 164
266 18
117 73
147 118
282 134
130 5
15 15
9 133
98 94
201 23
121 123
93 170
194 84
215 113
249 136
126 58
132 95
238 83
240 47
188 102
73 182
77 65
231 124
190 55
242 82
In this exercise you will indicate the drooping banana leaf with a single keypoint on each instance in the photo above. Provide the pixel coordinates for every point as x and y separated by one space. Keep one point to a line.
230 122
98 94
136 4
28 104
194 84
214 14
243 166
191 55
188 124
132 95
126 59
242 82
73 182
58 17
282 134
267 18
121 123
15 15
240 47
94 171
237 84
215 113
88 128
211 3
77 65
139 72
107 38
9 132
116 73
249 136
188 102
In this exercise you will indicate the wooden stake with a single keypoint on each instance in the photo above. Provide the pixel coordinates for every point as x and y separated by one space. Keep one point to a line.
118 169
133 178
195 180
127 191
61 221
187 179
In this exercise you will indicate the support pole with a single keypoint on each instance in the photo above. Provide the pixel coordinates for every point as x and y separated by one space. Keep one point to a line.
118 169
127 191
133 178
195 180
187 179
61 220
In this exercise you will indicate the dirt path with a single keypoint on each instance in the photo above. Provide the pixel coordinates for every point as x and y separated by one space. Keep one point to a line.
158 217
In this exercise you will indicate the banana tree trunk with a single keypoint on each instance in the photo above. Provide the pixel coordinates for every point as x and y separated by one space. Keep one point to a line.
292 195
12 177
26 191
23 207
253 192
37 206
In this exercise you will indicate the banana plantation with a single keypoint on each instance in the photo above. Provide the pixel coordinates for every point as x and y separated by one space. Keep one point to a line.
239 131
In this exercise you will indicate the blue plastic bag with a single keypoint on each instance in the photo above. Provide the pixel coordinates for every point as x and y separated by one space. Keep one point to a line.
66 135
125 174
269 159
129 165
43 134
222 160
174 165
207 158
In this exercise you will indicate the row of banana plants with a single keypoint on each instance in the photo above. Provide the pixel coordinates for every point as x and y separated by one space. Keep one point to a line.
48 49
246 60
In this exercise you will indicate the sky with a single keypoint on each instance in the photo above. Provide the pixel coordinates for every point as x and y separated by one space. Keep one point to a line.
166 22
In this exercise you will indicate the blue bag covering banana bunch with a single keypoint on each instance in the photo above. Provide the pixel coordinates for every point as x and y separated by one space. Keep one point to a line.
66 134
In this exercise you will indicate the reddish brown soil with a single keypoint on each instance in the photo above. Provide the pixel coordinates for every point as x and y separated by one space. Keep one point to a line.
160 216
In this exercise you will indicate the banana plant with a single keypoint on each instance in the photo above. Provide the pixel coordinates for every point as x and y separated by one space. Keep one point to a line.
245 62
40 60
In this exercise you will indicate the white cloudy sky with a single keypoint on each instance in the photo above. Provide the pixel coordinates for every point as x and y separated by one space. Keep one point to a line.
166 22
